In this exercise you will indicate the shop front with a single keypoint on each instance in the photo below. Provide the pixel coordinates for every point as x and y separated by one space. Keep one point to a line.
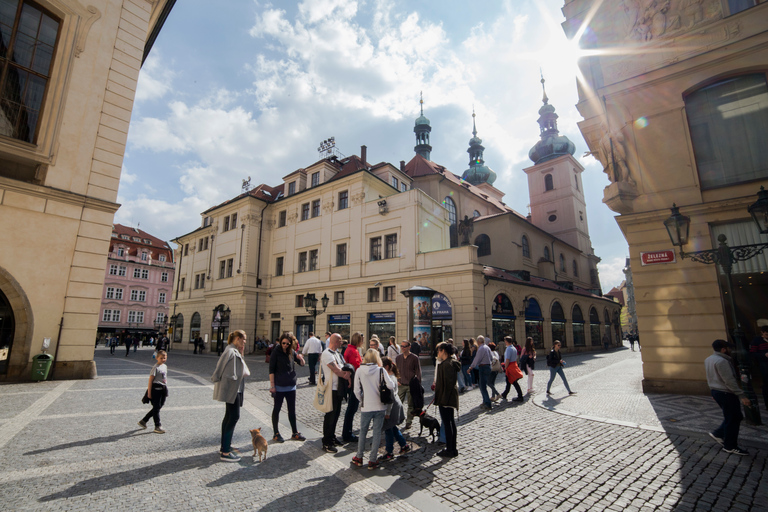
502 318
382 324
339 324
534 323
558 324
303 326
442 318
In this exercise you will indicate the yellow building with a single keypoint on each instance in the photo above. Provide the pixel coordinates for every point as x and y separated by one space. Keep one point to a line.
675 107
67 95
361 234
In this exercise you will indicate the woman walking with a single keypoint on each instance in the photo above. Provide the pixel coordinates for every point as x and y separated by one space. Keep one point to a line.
282 380
511 370
447 395
394 414
229 385
556 363
495 370
466 359
528 361
368 378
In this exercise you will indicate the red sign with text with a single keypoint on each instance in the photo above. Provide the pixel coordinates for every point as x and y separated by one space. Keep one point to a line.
655 257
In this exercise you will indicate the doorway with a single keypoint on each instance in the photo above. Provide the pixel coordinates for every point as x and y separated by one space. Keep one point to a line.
7 329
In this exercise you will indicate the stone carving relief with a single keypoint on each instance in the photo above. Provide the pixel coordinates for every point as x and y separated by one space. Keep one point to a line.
270 224
645 20
89 15
293 217
357 198
612 153
252 219
328 207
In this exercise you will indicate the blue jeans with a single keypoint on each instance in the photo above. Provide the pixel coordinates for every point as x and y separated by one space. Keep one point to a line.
390 436
728 430
557 371
352 405
312 363
377 417
467 374
485 376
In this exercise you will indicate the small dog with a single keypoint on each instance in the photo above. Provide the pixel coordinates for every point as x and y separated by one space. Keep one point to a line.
259 443
431 423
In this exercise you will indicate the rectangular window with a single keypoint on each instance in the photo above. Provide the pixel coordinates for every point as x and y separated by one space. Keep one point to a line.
299 301
230 266
110 293
182 283
233 222
315 179
343 200
736 6
391 243
373 295
161 298
291 188
279 266
118 294
113 270
145 274
226 223
395 182
160 318
302 261
315 208
200 248
305 211
313 259
144 256
281 219
197 281
164 277
138 295
137 273
162 257
222 269
139 317
121 252
376 248
186 249
30 34
341 255
338 298
403 187
389 293
107 316
122 271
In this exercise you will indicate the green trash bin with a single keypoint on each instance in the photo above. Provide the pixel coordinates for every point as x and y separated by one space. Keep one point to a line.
41 366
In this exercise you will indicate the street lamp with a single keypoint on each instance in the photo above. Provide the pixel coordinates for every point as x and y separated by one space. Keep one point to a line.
525 307
310 304
724 257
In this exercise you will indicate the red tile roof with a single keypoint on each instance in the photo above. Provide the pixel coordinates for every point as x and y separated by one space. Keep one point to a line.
156 245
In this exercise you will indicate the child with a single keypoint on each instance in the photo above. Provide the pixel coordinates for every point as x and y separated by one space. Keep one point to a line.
157 390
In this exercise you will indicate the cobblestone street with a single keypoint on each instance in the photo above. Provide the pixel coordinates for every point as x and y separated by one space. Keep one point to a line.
75 445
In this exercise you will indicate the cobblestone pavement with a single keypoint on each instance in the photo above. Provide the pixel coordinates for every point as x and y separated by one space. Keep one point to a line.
73 445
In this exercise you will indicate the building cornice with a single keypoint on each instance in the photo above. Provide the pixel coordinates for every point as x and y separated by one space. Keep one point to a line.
64 196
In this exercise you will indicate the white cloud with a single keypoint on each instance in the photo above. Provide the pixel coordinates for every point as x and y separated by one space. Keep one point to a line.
155 79
611 272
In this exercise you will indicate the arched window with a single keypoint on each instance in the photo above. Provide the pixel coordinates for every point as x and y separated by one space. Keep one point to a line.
558 323
194 327
575 269
727 115
451 207
562 262
534 323
549 183
546 253
483 243
594 327
178 328
526 247
476 213
578 327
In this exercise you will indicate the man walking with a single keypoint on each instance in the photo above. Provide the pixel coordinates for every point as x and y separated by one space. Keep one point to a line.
724 386
312 349
408 366
482 362
330 362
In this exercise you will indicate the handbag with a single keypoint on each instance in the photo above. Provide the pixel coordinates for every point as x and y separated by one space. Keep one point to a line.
495 365
323 394
385 394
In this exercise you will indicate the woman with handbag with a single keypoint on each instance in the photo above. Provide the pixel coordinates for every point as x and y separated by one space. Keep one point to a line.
394 414
528 361
371 386
496 369
282 380
228 386
511 370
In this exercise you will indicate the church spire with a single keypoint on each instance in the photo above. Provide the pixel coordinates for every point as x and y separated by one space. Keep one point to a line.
552 144
422 130
478 172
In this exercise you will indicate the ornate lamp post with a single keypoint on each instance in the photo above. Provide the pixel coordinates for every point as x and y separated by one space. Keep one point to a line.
310 304
678 226
525 308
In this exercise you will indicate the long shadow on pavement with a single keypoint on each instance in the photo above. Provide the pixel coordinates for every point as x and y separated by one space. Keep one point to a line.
277 466
324 495
87 442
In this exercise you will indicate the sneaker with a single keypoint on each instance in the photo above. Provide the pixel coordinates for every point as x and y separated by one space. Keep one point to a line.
718 439
143 424
388 456
230 457
571 392
298 437
373 464
405 449
278 438
336 442
503 396
495 398
357 461
530 391
736 451
330 449
159 430
518 399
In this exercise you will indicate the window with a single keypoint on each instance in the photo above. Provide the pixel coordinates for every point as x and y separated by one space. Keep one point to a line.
136 239
303 261
125 237
305 211
226 223
526 247
200 281
373 295
338 298
161 298
395 182
120 252
315 179
562 262
137 273
389 293
222 268
161 257
476 214
144 255
233 222
341 255
735 6
291 188
728 121
546 254
299 301
111 315
139 295
451 207
182 283
315 208
313 259
575 269
576 179
343 200
376 248
483 243
113 270
281 219
135 317
230 266
391 245
110 292
203 244
145 273
549 182
160 318
403 187
122 271
279 266
114 293
552 218
186 249
197 281
164 277
28 39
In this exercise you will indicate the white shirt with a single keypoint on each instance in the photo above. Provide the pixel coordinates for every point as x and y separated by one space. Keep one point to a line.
312 346
393 351
330 356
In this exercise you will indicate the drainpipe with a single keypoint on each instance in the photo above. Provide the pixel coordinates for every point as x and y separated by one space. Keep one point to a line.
56 352
258 270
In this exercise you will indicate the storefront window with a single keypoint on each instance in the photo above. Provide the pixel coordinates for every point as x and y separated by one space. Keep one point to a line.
503 322
381 324
558 324
579 339
339 324
534 323
594 328
503 327
194 327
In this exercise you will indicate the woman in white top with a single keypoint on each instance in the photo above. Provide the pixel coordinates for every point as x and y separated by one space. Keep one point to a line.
368 378
393 350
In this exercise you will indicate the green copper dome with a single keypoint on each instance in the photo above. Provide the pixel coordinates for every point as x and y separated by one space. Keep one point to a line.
421 120
478 172
552 144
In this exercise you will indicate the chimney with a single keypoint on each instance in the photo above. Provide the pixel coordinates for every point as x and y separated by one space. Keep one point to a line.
364 154
402 165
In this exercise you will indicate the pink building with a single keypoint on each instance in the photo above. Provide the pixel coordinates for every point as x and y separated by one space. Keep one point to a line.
137 286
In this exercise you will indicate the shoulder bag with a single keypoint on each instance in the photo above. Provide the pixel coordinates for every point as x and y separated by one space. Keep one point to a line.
385 394
323 393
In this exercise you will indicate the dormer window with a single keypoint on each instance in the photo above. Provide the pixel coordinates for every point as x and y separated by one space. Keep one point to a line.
315 179
291 188
125 237
120 252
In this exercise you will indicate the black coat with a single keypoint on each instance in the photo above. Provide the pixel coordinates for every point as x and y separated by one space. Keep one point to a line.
282 366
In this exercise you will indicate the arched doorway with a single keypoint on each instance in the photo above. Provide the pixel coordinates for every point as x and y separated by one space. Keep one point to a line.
7 331
178 329
219 327
534 323
579 338
502 318
594 327
194 327
608 329
558 324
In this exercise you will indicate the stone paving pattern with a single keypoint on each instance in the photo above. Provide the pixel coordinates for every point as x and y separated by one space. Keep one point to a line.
75 445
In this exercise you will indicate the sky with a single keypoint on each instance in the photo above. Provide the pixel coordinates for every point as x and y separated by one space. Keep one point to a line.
251 88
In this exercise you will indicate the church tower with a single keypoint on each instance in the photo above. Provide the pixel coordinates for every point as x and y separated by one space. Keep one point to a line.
478 172
555 187
422 130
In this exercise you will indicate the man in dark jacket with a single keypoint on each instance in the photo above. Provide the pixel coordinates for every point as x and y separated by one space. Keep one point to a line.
447 395
724 386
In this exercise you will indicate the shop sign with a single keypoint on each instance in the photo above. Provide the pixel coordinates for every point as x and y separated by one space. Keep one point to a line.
656 257
381 317
338 319
441 307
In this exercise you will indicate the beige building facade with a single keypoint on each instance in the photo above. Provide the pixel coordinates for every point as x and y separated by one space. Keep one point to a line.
67 99
675 107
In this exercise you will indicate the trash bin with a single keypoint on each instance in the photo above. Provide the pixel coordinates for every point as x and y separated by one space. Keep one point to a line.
41 366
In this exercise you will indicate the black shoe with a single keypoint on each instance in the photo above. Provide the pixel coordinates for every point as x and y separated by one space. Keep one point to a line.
330 449
447 453
518 399
351 439
504 396
336 442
